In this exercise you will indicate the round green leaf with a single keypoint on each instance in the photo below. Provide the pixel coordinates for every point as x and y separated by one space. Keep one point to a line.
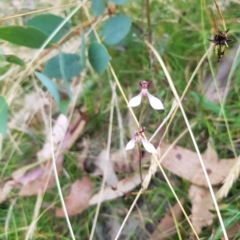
115 29
72 66
98 57
28 37
3 116
50 85
47 23
119 2
97 7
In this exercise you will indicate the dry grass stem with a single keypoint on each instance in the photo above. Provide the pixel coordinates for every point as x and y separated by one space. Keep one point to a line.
192 136
229 181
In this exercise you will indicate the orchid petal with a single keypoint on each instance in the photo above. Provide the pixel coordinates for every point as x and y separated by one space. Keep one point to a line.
155 102
131 144
135 101
148 146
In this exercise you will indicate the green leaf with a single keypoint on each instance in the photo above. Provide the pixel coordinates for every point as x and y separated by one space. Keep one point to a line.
50 85
115 29
97 7
208 105
98 57
28 37
64 106
119 2
4 69
71 62
14 59
3 116
227 223
63 72
47 23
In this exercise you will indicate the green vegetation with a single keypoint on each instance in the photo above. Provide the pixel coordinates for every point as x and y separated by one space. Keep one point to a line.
79 61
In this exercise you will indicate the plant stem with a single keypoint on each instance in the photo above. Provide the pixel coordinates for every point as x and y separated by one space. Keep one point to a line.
144 101
140 161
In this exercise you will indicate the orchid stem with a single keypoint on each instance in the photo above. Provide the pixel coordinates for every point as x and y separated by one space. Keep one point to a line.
144 101
140 161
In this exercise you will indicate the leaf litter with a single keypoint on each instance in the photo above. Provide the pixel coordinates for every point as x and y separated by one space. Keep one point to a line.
185 164
78 198
178 161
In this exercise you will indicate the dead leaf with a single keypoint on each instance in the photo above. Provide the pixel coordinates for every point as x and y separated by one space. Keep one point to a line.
118 190
6 189
129 166
35 183
32 180
201 203
166 227
78 198
185 164
58 133
104 165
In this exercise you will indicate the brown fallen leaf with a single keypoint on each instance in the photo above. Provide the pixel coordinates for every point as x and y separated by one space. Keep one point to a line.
185 164
201 203
166 227
105 166
78 198
118 190
31 180
34 184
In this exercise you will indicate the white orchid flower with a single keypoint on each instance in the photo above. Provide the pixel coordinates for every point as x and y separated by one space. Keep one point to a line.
154 102
138 138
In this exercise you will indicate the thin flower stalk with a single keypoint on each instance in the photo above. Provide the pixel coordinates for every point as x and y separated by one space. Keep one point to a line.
139 140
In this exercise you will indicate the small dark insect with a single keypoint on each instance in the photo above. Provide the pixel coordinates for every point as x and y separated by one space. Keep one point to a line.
221 42
221 38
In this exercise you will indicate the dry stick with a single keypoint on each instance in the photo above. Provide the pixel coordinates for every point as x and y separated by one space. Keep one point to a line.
169 184
35 11
135 119
186 89
77 30
8 217
107 160
191 134
221 16
32 226
129 212
172 111
165 176
17 84
235 170
57 179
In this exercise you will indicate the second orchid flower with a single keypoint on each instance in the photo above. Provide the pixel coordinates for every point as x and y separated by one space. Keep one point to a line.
154 102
